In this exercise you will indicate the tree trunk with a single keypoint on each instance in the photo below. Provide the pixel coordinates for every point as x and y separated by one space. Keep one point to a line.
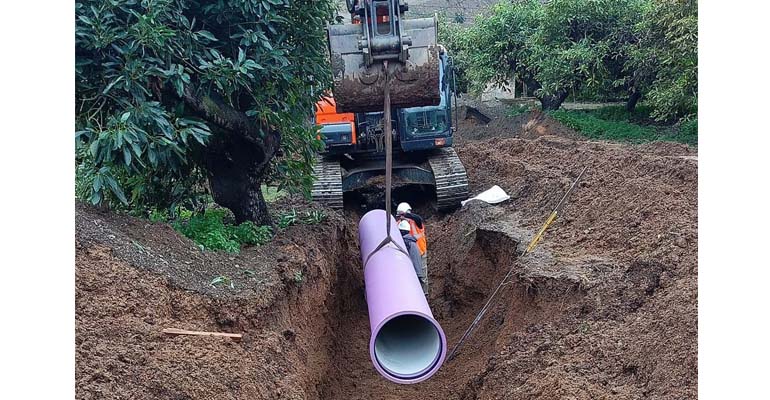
237 156
553 102
632 100
236 167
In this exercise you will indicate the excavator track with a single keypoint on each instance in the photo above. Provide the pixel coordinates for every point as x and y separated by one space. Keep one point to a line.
451 179
327 188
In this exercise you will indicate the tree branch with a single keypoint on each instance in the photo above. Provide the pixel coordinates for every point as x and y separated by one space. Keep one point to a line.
221 114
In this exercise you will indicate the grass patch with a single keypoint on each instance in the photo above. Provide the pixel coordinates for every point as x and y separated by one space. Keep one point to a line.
640 115
616 124
210 231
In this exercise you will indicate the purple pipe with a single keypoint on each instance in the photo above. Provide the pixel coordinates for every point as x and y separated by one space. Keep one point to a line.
407 344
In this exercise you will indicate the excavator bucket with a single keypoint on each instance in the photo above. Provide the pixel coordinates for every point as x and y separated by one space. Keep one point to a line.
357 53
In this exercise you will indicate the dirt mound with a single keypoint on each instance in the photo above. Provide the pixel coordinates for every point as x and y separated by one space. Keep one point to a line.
606 307
539 124
134 278
503 124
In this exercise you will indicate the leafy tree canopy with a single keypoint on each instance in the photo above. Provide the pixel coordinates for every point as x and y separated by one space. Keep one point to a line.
664 62
171 92
596 48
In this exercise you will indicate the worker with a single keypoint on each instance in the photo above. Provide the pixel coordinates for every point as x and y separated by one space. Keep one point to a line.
416 229
414 253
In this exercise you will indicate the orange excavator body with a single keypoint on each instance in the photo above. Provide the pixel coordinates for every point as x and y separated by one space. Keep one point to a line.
326 114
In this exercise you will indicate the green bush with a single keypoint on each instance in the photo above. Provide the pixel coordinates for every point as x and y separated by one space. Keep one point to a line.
212 232
308 218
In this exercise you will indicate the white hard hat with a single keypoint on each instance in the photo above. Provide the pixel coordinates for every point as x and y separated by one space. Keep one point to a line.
404 225
403 207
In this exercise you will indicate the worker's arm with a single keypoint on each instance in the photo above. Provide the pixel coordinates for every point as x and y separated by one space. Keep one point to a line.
414 217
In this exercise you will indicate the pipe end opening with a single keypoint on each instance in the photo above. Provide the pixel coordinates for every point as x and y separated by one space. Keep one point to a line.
408 346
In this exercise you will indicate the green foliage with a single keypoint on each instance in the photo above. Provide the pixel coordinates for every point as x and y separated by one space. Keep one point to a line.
299 277
664 61
688 131
288 219
272 193
640 113
159 216
617 124
312 217
579 43
595 127
518 110
556 46
142 66
593 49
222 281
212 232
499 46
454 37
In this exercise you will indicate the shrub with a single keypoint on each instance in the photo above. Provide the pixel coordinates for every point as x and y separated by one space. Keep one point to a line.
307 217
210 230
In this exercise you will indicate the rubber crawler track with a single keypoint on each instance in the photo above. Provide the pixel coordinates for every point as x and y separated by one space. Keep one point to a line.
327 188
450 177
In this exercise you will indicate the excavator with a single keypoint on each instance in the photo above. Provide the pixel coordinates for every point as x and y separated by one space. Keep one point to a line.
390 109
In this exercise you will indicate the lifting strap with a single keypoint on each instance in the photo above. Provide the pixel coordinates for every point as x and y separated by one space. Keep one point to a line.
388 169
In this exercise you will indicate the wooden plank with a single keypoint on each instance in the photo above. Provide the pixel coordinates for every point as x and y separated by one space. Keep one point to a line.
175 331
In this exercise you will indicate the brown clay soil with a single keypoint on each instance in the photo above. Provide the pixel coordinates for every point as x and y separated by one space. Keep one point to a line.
605 308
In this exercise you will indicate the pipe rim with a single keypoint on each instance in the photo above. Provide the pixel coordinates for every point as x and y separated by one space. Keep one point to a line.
418 376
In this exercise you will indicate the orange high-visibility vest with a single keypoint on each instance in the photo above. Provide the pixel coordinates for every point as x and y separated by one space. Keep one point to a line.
419 234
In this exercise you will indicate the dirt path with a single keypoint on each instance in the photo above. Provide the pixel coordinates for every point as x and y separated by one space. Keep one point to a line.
605 308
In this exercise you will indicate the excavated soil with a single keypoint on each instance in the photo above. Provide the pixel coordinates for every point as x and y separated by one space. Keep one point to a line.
605 308
501 124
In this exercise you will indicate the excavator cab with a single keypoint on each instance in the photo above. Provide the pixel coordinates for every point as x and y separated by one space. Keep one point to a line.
359 52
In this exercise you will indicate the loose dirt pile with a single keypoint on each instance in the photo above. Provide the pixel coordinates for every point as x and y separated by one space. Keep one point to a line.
503 124
606 307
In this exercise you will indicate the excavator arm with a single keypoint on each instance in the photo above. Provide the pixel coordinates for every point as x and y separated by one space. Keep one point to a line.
379 36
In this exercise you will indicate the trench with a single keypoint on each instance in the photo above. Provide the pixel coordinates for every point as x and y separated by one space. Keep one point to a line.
317 335
463 270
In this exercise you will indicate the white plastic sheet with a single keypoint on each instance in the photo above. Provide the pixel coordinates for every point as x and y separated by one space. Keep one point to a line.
492 196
